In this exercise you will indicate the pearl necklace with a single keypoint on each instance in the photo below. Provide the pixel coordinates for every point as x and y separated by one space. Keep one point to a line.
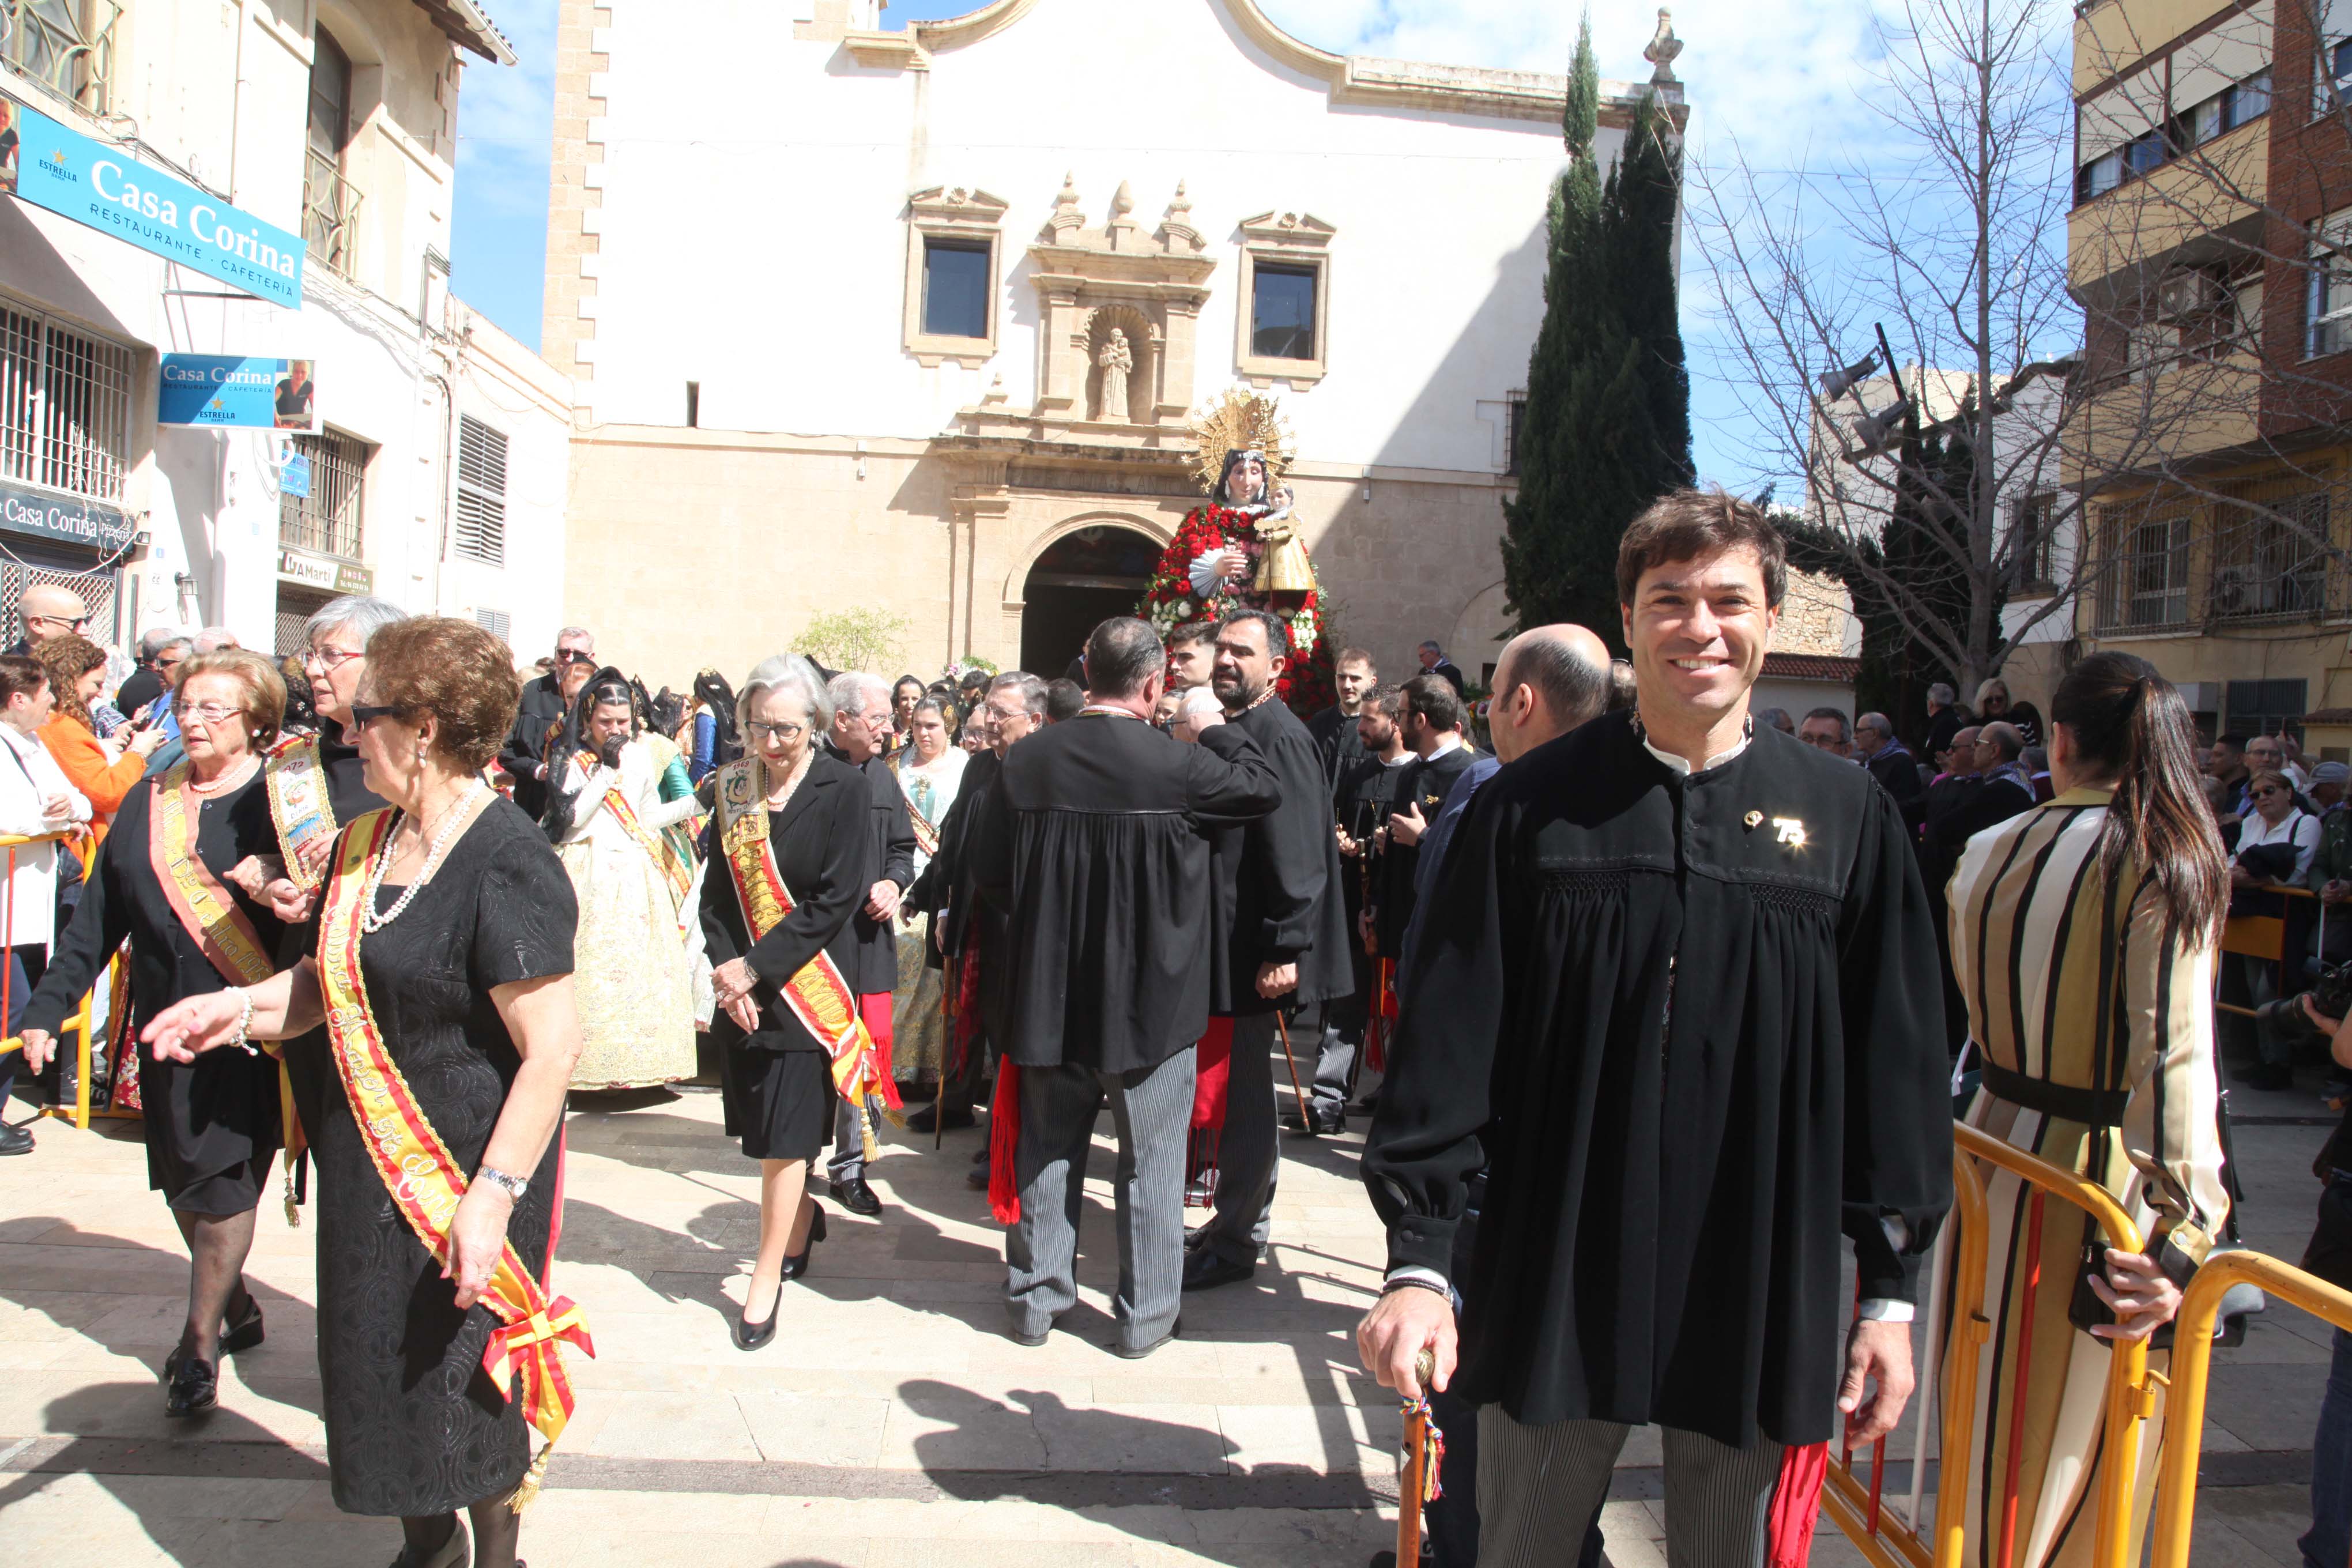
369 920
235 774
792 785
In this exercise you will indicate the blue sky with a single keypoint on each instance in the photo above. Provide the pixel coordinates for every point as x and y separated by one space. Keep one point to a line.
1782 82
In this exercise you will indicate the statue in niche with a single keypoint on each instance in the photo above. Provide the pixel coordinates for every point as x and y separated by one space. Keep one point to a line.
1115 359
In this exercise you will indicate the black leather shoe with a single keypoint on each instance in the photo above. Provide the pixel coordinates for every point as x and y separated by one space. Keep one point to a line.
1321 1126
15 1140
928 1119
856 1196
1136 1352
192 1386
751 1336
1031 1340
977 1178
980 1156
243 1333
1206 1268
795 1267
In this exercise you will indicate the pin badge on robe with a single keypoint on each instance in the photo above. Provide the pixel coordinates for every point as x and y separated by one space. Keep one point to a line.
1793 831
1752 819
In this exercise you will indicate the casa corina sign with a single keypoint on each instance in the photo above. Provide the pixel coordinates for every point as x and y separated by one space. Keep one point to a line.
98 184
68 518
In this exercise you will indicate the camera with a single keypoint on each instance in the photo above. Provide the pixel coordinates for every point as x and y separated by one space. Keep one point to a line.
2331 994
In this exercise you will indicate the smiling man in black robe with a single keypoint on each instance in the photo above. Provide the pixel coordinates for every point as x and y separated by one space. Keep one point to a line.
1278 940
1096 848
1671 1168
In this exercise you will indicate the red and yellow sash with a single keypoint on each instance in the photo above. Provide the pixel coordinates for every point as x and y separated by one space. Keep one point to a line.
299 804
678 873
818 995
524 1357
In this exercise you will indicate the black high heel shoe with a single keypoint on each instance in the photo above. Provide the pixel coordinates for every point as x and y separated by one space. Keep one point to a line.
797 1265
246 1332
192 1386
751 1336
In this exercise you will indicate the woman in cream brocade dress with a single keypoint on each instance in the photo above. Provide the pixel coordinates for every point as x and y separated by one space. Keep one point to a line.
634 975
929 770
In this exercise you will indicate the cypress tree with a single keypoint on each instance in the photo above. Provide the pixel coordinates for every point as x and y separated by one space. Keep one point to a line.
1606 426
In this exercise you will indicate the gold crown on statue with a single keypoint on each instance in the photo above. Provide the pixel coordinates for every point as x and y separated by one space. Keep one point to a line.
1239 420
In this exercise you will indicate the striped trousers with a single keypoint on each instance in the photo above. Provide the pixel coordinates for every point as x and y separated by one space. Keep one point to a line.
1151 1109
1538 1488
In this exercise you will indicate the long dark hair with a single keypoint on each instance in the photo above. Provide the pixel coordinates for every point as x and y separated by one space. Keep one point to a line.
718 699
2128 724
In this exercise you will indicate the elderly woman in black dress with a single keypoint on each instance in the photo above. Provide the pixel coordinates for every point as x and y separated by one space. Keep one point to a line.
173 877
778 1085
445 944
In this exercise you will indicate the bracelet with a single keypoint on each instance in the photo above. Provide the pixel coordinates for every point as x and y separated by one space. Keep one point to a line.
1414 1282
244 1022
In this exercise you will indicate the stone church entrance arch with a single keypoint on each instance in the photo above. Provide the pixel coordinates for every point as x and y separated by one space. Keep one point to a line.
1088 574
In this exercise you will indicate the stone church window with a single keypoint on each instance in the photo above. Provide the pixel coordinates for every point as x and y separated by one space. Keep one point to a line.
953 271
1284 325
955 287
1282 316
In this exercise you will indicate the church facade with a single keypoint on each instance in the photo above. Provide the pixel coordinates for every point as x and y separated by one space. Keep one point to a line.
911 322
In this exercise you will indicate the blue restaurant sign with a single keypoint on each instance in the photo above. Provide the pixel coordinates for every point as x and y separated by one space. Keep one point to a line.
98 184
69 519
232 390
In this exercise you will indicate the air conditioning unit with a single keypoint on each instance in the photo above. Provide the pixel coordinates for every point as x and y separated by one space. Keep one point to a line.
2188 294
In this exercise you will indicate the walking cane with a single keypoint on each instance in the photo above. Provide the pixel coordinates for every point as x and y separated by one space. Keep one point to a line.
1305 1114
1419 1484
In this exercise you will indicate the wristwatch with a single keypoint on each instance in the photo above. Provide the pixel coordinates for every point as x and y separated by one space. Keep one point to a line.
515 1186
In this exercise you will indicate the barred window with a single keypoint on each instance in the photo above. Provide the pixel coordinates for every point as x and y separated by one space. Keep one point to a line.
65 405
497 623
2033 544
2327 301
2269 559
1515 424
481 492
330 519
2146 582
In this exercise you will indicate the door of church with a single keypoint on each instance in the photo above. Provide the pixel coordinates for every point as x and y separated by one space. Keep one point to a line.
1082 579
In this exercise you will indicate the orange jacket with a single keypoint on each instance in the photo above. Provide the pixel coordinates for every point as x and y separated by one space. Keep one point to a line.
92 770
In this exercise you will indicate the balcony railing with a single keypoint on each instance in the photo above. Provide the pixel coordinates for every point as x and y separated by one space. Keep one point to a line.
331 214
68 43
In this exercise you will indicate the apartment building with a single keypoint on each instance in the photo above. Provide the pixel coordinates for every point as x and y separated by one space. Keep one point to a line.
2212 198
233 382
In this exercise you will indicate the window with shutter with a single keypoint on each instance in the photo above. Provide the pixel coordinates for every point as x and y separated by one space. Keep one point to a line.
497 623
481 532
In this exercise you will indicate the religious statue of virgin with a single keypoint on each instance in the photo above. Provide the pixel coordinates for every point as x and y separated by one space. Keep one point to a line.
1243 548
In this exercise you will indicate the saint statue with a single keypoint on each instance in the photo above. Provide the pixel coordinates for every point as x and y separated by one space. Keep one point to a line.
1115 359
1243 549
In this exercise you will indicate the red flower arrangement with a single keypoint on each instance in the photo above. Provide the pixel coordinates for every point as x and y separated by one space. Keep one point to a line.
1306 684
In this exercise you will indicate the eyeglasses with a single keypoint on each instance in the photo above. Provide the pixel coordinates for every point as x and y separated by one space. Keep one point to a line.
363 714
78 623
2267 791
332 658
761 731
206 713
573 655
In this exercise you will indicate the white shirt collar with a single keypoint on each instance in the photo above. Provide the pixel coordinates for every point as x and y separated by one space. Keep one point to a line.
23 745
1450 741
1682 764
1408 756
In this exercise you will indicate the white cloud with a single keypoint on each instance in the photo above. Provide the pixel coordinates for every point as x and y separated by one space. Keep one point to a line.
506 113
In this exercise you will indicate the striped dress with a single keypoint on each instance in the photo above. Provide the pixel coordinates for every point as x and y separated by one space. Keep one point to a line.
2076 984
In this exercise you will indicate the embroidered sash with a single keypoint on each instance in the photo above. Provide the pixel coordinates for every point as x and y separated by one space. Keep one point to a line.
678 873
927 837
300 805
524 1357
205 907
819 995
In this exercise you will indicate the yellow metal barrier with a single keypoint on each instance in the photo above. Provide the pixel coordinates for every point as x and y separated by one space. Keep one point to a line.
1859 1510
2192 1359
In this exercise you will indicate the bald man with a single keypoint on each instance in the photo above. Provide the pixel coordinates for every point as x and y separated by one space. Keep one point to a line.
49 611
1548 681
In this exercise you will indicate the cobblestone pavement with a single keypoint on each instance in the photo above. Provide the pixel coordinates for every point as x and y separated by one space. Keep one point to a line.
890 1421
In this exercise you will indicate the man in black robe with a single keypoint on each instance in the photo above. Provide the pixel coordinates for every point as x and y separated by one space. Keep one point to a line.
947 892
1354 675
1278 940
861 728
545 699
1670 1169
1365 794
1096 849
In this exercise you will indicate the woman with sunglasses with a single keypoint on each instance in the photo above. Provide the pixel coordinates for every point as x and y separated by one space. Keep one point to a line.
444 977
2276 820
791 858
170 882
104 771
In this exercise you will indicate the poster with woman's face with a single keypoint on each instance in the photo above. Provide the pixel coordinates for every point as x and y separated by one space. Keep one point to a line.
298 397
8 140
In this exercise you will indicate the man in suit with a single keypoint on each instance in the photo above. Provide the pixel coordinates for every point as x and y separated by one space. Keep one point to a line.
544 701
861 727
1095 848
1888 760
1435 662
1433 718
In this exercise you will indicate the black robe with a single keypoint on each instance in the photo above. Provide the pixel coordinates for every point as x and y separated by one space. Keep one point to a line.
1278 898
1095 848
876 970
542 707
1671 1168
1342 745
946 890
1424 785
